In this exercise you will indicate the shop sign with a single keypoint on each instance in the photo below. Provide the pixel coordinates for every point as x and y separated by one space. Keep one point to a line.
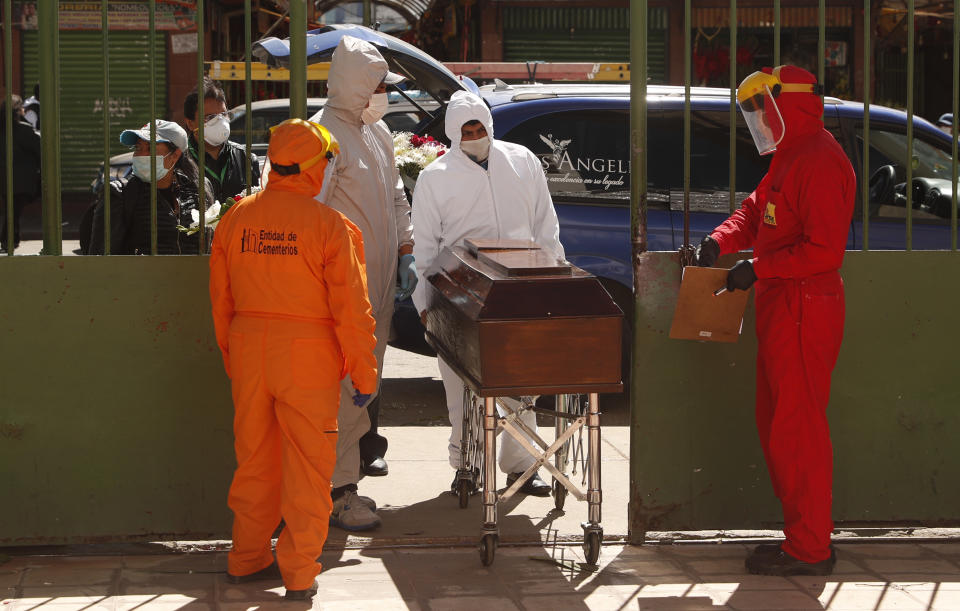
170 15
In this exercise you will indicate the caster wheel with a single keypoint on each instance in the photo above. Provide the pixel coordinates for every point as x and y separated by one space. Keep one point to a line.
591 546
464 488
559 495
488 549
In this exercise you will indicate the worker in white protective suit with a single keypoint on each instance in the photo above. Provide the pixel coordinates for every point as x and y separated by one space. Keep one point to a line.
365 186
482 188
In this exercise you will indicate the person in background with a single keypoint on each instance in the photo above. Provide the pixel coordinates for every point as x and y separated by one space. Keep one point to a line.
366 187
31 108
26 167
286 344
224 162
797 222
177 194
482 188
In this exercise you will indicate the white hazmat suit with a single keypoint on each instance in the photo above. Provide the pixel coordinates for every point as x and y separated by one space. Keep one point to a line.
366 188
456 198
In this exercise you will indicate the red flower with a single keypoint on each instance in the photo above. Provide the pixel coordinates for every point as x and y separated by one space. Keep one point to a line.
441 152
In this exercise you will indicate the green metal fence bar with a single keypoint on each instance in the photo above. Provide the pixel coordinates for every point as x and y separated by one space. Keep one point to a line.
956 115
298 59
687 61
776 32
105 49
201 143
638 133
909 157
153 124
8 119
733 105
48 58
248 89
865 172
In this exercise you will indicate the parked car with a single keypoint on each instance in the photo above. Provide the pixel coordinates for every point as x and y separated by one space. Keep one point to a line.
581 133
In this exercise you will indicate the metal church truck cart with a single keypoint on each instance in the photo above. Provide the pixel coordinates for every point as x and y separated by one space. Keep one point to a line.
514 321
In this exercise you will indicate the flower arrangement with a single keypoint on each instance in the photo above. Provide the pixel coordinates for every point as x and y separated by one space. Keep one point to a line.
214 213
413 153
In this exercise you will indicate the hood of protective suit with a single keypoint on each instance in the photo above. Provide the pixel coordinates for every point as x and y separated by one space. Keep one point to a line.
463 108
356 70
296 142
801 112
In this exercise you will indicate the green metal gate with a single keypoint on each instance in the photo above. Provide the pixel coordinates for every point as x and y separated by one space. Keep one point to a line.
575 34
81 69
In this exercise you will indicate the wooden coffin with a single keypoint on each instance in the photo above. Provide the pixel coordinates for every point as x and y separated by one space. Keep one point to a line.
512 320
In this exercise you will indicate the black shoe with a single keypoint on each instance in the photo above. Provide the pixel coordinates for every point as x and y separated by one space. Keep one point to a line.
374 468
533 486
270 572
302 594
767 562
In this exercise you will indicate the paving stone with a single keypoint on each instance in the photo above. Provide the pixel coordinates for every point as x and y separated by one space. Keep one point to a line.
747 581
60 575
946 600
90 592
9 578
883 550
765 600
873 596
471 603
719 566
890 567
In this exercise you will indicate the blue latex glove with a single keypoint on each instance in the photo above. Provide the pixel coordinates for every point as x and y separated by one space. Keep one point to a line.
407 276
360 399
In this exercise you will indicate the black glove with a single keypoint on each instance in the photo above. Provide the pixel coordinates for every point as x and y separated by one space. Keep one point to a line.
741 276
707 252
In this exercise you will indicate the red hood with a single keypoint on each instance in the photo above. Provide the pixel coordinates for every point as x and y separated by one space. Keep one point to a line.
801 112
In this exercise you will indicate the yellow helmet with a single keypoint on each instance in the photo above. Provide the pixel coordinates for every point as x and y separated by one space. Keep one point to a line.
751 91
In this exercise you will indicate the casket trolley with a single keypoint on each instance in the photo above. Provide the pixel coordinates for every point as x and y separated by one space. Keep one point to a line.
514 321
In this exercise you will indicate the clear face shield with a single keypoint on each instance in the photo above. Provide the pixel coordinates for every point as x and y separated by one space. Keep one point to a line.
763 119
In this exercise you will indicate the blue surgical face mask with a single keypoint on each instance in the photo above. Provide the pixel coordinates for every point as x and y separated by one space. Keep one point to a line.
141 167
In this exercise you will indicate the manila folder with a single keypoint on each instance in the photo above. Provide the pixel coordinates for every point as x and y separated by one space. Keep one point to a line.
704 316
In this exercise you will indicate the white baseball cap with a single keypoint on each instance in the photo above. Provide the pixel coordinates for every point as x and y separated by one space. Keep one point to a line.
167 131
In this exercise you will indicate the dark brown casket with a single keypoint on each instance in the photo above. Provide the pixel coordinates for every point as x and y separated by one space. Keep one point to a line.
514 320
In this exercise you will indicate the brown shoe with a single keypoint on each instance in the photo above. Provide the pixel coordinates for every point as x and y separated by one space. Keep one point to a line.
272 571
307 594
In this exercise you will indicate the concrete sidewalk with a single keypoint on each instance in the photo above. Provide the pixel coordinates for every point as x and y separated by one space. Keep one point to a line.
693 577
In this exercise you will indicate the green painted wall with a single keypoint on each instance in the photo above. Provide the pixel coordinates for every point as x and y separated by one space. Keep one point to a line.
115 414
894 417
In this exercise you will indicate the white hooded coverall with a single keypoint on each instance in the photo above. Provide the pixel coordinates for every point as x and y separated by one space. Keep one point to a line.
456 198
366 187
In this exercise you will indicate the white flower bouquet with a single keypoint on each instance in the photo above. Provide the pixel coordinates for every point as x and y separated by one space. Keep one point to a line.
214 213
413 153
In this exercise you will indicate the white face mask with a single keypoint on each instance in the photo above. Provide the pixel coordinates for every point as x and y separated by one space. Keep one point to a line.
376 109
478 149
216 130
141 167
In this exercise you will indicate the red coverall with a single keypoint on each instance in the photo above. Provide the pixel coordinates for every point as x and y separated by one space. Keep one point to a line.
797 222
289 296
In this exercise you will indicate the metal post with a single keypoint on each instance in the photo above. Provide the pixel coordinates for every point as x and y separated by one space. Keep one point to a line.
687 52
956 116
367 13
733 106
201 143
910 60
638 215
822 43
298 59
48 57
153 124
776 32
105 49
594 490
248 89
865 172
8 119
490 465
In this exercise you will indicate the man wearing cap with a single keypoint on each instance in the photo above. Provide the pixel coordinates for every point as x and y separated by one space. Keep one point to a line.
289 298
796 221
224 162
176 179
365 186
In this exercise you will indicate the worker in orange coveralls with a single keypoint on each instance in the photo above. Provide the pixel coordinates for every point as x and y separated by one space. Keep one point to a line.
289 295
796 221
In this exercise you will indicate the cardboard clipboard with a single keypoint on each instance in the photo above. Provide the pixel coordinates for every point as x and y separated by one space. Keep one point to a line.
703 316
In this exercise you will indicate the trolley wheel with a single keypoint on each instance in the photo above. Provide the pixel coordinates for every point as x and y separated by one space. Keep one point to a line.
591 546
559 495
488 549
464 488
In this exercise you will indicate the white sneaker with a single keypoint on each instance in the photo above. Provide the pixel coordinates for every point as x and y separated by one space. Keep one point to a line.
352 512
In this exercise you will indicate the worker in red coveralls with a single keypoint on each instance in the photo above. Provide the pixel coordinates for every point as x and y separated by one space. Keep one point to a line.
796 221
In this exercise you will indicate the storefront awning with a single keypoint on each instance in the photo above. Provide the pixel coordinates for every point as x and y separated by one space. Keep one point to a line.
412 10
